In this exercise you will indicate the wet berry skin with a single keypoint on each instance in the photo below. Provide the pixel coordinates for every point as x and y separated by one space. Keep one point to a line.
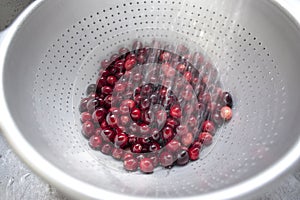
146 165
131 164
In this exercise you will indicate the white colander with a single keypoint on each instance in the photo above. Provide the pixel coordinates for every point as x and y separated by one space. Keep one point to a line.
53 50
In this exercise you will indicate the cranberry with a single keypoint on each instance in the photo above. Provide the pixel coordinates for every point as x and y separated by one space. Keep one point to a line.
146 165
114 111
187 94
147 116
137 77
154 147
205 138
121 140
187 139
127 155
91 89
132 139
171 122
175 111
109 134
112 120
131 164
114 57
105 63
95 142
136 114
226 113
194 153
173 146
156 135
106 149
106 90
108 101
181 67
88 129
117 153
123 50
208 126
85 116
141 59
130 103
188 76
92 104
217 119
166 159
165 56
111 80
119 87
145 104
130 63
124 119
144 129
192 122
99 115
182 157
181 130
167 133
146 90
134 128
104 124
154 159
137 148
161 117
227 99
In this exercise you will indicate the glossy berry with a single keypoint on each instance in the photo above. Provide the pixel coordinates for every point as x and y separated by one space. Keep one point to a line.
187 139
83 105
106 90
106 149
136 114
112 120
208 126
167 133
175 111
127 155
121 140
194 153
88 129
173 146
92 104
182 157
117 153
166 159
205 138
131 164
146 165
111 80
137 148
95 142
227 99
154 147
226 113
108 134
85 116
99 115
130 63
154 159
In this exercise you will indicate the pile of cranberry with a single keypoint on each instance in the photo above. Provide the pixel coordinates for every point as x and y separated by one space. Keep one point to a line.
153 107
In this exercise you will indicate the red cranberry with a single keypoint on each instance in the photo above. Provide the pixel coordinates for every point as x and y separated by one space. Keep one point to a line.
226 113
166 159
196 144
106 149
132 139
114 110
106 90
95 142
137 77
130 63
175 111
165 56
182 157
137 148
205 138
147 116
124 119
141 59
105 63
92 104
227 99
156 134
121 140
194 153
205 98
107 101
192 122
99 115
104 124
171 122
91 89
85 116
167 133
181 130
144 129
188 76
111 80
130 103
88 129
181 68
145 104
119 87
136 114
208 126
131 164
154 159
123 50
109 134
187 139
161 117
154 147
112 120
173 146
127 155
146 165
117 153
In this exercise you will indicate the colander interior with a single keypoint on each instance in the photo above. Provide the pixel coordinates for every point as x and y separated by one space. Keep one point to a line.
56 53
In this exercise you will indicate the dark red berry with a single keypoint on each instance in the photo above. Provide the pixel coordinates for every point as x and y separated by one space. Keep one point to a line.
175 111
145 104
144 129
188 76
119 87
137 148
128 102
85 116
131 164
205 138
99 115
88 129
106 90
227 99
108 101
194 153
154 147
95 142
111 80
146 165
121 140
132 139
112 120
181 67
208 126
182 157
117 153
167 133
171 122
165 56
136 114
130 63
166 159
108 133
106 149
92 105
